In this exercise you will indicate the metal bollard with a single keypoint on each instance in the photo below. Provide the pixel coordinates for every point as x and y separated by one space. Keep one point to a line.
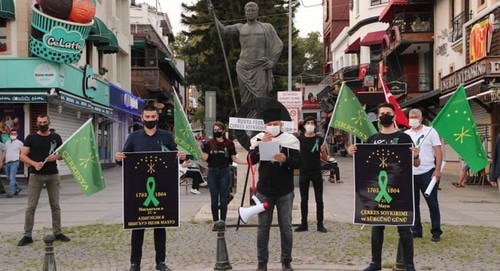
49 262
222 256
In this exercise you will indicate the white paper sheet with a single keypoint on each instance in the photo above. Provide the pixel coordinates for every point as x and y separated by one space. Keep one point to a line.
268 149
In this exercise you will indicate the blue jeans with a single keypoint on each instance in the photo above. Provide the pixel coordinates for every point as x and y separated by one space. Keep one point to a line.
218 183
284 207
421 183
10 172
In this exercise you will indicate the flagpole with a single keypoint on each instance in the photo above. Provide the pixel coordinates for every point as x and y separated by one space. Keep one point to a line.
333 112
73 135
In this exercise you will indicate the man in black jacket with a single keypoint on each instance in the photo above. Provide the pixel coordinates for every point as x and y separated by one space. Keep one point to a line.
276 187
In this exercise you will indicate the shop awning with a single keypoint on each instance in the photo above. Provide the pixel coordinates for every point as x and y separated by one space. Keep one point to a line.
99 33
112 47
373 38
85 104
353 47
124 100
163 57
7 9
23 97
387 15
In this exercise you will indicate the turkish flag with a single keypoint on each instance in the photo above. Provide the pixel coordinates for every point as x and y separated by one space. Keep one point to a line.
363 70
401 118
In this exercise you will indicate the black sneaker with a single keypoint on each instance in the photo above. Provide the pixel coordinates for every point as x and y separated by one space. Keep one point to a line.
261 267
417 235
286 267
162 267
17 191
321 228
435 238
373 267
24 241
301 228
135 267
2 192
8 195
62 237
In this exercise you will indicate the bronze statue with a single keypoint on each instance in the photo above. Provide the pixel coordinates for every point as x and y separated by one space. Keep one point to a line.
260 50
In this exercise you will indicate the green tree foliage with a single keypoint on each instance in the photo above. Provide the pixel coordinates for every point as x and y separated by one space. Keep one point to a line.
311 48
200 47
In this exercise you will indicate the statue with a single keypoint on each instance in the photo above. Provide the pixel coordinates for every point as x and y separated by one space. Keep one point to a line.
260 50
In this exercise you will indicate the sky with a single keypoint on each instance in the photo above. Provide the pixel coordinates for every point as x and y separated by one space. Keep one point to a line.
307 19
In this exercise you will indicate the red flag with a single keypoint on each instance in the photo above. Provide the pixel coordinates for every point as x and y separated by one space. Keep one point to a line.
401 118
363 69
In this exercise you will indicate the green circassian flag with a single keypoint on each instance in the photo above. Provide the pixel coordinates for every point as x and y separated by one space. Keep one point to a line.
81 156
183 134
350 116
455 123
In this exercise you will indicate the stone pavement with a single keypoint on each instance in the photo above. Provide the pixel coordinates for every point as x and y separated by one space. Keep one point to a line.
473 205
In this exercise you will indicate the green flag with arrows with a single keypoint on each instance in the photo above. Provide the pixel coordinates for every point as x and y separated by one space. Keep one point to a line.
81 156
182 129
455 123
350 116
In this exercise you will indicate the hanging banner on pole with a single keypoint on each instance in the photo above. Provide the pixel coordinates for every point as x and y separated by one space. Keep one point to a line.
150 190
383 184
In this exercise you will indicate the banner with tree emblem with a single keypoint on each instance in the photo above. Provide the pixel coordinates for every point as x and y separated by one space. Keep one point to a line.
383 184
80 154
150 190
183 134
348 115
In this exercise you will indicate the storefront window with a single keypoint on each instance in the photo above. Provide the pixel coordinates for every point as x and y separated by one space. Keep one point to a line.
3 34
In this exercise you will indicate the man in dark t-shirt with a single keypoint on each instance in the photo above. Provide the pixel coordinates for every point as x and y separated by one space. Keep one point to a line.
389 134
39 154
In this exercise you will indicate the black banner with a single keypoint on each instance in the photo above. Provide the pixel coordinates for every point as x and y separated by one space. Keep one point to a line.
150 190
383 184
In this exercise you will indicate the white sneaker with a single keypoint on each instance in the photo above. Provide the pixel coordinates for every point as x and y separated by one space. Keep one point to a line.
195 191
204 183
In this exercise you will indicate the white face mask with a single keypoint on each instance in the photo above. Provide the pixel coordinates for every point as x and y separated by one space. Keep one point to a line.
273 130
414 123
13 137
309 128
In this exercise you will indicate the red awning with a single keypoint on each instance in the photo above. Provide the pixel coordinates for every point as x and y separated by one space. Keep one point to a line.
373 38
353 47
387 15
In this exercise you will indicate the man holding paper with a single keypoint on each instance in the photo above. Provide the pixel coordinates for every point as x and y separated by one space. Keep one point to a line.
431 158
275 185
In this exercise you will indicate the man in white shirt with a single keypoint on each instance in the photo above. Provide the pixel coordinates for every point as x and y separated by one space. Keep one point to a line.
11 160
431 157
2 153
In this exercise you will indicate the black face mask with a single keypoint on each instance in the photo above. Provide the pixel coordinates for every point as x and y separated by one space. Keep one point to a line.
218 134
386 120
43 128
150 124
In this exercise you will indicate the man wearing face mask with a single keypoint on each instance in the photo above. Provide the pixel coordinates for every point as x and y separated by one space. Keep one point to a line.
312 151
276 187
389 134
149 139
431 157
11 159
38 154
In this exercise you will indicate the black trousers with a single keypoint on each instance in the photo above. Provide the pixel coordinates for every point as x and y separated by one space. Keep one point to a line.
317 181
160 238
405 244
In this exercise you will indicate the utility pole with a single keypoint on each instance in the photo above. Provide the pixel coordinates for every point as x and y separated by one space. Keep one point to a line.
290 20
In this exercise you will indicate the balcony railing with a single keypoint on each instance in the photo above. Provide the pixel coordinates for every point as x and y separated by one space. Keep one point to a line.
457 25
416 82
413 22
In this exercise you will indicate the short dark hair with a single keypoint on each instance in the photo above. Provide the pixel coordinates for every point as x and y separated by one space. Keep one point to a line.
310 118
387 105
12 130
149 107
43 115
